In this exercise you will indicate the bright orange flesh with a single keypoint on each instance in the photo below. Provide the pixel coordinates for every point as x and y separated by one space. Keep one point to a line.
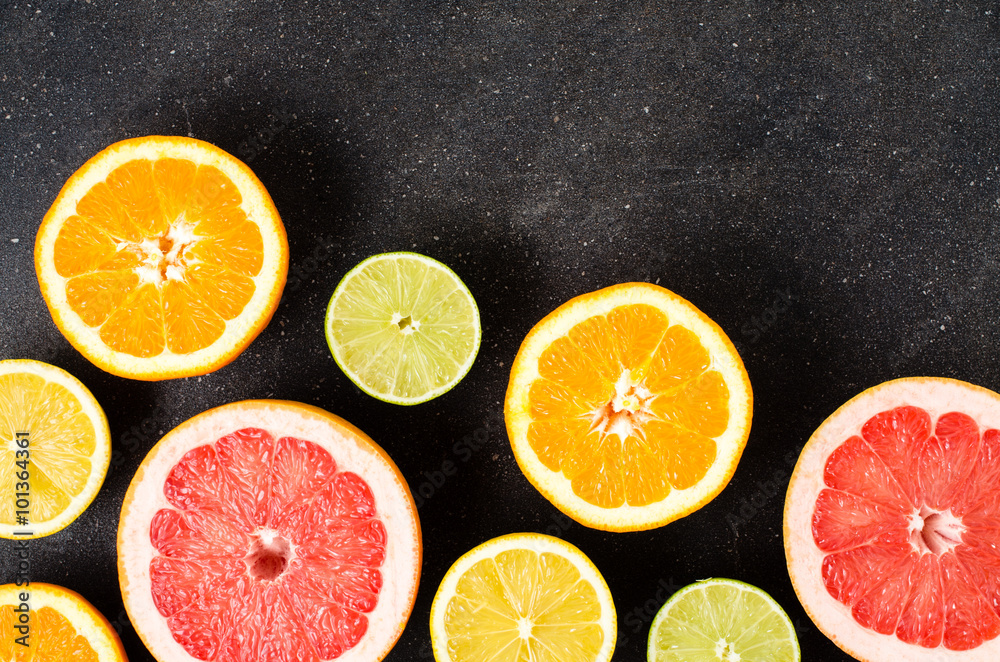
52 638
626 407
159 256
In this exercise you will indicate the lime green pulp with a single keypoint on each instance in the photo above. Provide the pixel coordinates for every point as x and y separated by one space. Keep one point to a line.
722 620
403 327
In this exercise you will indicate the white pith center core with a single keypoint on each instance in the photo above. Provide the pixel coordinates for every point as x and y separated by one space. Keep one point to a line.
524 628
628 409
407 325
935 532
163 257
269 555
725 651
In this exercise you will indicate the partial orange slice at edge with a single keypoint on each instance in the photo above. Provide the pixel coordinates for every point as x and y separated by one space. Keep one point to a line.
49 622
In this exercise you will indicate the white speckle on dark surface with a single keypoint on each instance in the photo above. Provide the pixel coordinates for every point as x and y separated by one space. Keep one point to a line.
845 155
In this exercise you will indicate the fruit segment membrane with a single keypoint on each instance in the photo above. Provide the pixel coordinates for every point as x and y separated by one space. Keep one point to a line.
159 256
909 521
267 553
523 605
627 406
52 637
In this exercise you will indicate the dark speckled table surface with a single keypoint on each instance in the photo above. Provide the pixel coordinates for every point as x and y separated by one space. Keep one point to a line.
820 178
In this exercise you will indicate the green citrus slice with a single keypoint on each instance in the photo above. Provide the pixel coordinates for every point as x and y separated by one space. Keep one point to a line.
403 327
722 620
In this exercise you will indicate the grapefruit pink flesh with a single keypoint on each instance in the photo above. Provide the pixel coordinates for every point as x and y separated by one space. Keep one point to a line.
909 522
268 551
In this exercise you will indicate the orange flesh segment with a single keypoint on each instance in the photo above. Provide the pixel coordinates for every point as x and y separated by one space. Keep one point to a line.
266 531
668 442
159 257
910 524
52 638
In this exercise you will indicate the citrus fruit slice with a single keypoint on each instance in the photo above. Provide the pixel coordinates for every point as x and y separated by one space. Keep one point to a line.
403 327
267 530
628 408
523 596
56 451
48 623
892 523
722 620
161 257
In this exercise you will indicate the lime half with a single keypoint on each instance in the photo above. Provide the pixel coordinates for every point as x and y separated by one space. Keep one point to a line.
722 620
403 327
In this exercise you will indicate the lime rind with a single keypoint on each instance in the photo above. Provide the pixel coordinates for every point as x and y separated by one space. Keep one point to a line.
722 619
403 327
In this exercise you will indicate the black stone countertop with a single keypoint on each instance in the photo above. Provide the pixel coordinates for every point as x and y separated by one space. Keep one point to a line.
841 155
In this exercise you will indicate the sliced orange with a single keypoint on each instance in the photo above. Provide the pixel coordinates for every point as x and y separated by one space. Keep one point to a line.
628 408
48 623
161 257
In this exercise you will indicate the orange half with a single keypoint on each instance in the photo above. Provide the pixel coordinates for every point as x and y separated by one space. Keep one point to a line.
161 257
628 408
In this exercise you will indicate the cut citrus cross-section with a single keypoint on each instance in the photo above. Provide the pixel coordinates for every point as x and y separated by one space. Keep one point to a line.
59 625
56 448
892 523
403 327
161 257
722 620
628 408
268 530
523 596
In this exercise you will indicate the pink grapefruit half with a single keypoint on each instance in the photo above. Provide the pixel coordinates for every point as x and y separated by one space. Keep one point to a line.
892 523
268 531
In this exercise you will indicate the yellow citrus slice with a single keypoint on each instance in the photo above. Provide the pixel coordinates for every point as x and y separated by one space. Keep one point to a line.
523 596
628 408
161 257
267 530
56 448
56 624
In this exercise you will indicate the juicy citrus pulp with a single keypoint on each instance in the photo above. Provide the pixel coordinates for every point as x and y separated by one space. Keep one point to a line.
59 626
520 597
722 620
161 257
628 408
268 531
56 448
403 327
893 513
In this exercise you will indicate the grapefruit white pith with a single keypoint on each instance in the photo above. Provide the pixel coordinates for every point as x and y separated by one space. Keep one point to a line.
892 523
268 530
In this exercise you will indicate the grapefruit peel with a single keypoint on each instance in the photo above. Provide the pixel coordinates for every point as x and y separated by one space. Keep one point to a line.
937 397
352 451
